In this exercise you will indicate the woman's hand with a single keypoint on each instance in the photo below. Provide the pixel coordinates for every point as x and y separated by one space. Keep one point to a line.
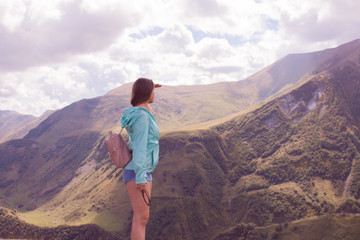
141 186
158 85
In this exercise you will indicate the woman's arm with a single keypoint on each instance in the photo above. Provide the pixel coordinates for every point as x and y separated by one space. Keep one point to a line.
139 147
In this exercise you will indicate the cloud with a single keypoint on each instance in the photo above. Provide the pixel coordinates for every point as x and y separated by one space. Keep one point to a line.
173 57
203 8
174 39
333 21
60 51
7 91
213 48
76 32
54 87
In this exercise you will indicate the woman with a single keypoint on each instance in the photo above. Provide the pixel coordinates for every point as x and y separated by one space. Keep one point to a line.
143 133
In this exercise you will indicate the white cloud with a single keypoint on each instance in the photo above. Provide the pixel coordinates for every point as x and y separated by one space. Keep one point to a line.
174 39
214 48
12 13
36 42
54 53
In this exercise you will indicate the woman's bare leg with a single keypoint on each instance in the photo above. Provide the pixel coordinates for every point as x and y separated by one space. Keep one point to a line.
141 210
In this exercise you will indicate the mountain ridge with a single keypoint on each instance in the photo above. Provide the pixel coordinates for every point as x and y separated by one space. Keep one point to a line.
177 107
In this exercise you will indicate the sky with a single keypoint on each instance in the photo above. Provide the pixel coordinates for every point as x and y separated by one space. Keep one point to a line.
53 53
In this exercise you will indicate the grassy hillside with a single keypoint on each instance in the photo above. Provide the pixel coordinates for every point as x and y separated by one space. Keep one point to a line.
33 172
293 158
288 160
328 227
11 226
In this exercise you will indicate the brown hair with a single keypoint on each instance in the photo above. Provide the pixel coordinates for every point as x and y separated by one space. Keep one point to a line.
141 91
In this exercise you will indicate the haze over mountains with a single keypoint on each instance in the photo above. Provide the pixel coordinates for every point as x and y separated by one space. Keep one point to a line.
238 159
14 125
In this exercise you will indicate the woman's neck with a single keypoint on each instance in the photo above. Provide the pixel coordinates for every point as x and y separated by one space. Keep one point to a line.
145 105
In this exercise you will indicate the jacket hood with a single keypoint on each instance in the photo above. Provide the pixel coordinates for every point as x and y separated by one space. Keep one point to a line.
130 114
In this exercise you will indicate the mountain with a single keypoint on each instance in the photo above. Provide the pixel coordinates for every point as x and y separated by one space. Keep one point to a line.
14 125
261 165
293 158
186 107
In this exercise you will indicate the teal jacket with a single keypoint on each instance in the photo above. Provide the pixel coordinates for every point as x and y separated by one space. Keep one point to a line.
143 132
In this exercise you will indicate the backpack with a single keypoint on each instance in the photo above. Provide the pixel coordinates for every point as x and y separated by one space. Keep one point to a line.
118 150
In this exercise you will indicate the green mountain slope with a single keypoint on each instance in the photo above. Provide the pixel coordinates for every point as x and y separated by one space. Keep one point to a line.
293 158
329 227
11 226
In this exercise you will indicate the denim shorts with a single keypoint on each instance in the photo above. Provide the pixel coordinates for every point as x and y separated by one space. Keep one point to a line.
129 175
